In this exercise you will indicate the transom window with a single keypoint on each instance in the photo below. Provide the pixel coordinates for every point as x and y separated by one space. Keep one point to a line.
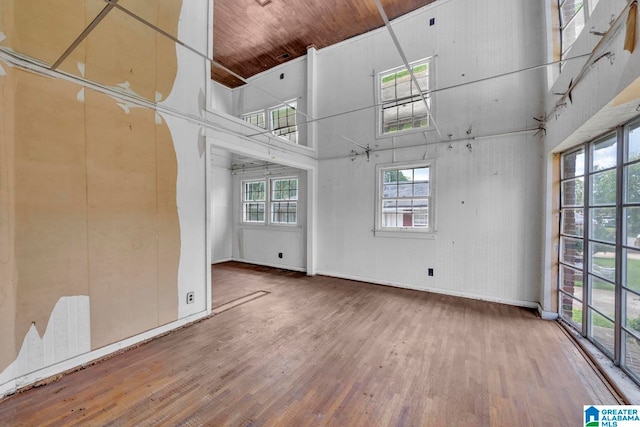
405 198
573 16
402 106
282 120
282 201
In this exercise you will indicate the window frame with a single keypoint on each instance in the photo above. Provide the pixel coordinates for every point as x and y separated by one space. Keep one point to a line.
380 104
595 271
269 125
247 118
273 200
406 232
269 201
246 202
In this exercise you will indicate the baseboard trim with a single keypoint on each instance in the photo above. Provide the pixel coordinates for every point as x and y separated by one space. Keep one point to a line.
273 265
220 261
94 356
547 315
471 295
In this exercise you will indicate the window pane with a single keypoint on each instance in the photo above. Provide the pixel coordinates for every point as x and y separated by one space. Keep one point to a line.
571 32
633 226
572 222
602 331
573 192
603 296
603 224
572 164
403 107
605 154
571 310
603 188
253 212
421 174
571 251
569 9
284 212
632 321
632 180
254 191
571 281
603 261
632 259
632 354
633 150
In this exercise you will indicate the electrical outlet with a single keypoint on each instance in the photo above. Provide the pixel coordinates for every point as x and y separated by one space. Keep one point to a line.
279 254
432 22
190 297
430 272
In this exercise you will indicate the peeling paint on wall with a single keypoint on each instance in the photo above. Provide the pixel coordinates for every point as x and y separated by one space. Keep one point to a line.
67 335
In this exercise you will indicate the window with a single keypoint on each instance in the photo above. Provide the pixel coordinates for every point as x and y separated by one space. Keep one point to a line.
253 201
402 106
573 15
405 198
599 258
282 120
284 205
256 119
282 201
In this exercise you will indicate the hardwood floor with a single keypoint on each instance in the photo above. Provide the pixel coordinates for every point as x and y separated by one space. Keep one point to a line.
325 351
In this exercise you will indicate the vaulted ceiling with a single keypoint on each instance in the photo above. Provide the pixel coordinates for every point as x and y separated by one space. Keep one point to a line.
251 36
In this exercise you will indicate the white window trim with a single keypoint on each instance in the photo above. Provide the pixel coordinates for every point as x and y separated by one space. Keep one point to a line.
378 98
407 233
267 203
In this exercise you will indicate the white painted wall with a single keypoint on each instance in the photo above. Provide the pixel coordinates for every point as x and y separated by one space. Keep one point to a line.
221 98
268 89
487 203
221 206
260 244
488 212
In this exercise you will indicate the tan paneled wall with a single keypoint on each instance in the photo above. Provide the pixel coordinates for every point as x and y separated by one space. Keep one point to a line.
94 194
8 349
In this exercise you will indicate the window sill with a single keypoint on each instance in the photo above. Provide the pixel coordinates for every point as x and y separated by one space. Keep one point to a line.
271 227
406 234
388 135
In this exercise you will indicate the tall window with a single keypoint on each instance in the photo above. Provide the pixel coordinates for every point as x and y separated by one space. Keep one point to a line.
253 201
282 120
405 196
282 201
573 16
284 205
599 283
402 106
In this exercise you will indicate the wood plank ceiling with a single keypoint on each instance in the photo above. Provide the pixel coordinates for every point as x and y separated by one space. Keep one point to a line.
251 36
